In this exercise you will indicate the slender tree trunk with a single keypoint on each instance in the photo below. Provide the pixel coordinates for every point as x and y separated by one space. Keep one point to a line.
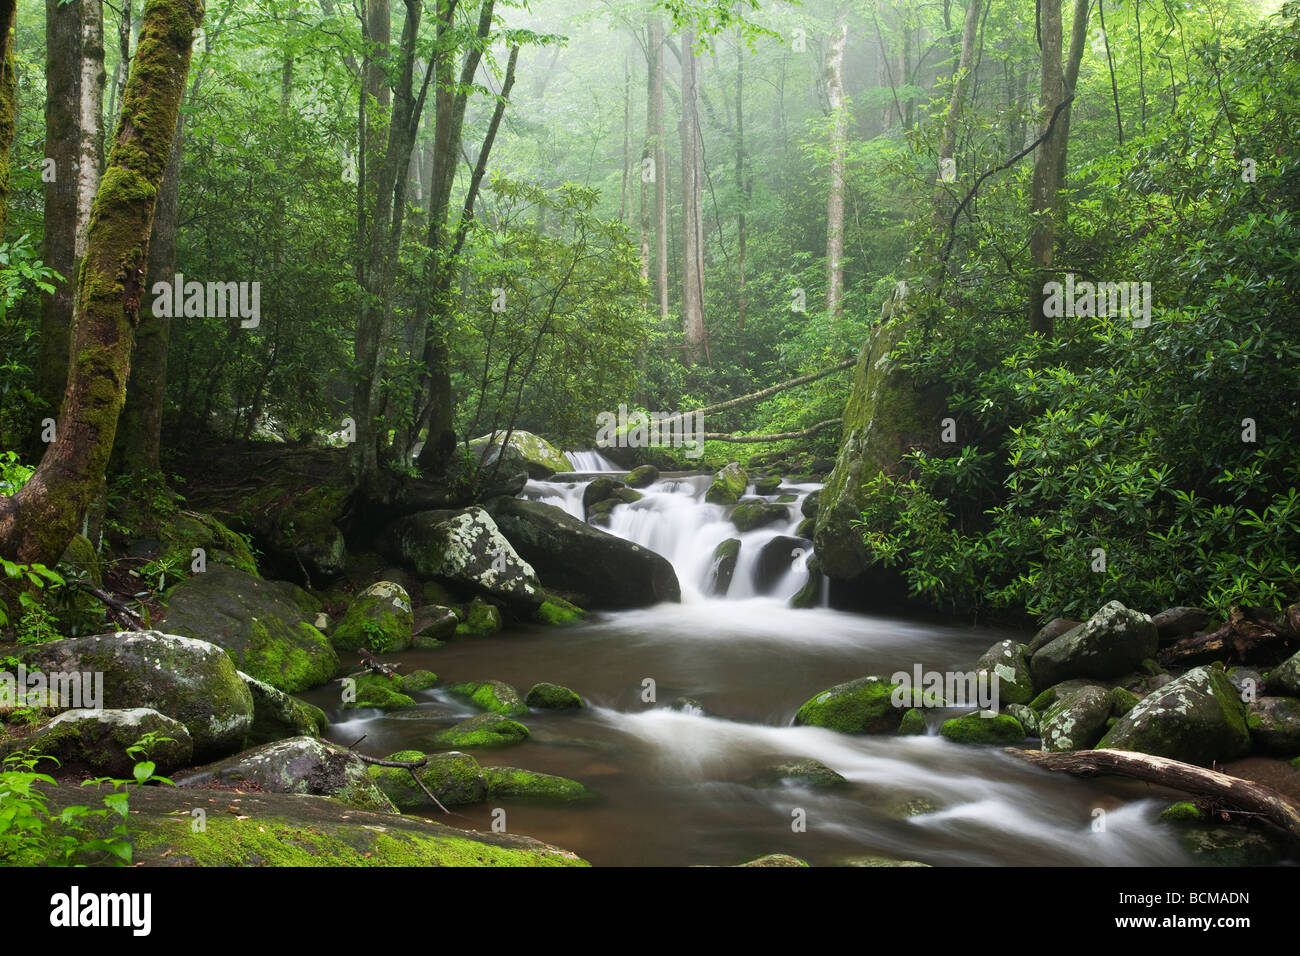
839 135
8 101
645 177
627 137
37 522
692 214
660 163
743 184
948 134
1042 237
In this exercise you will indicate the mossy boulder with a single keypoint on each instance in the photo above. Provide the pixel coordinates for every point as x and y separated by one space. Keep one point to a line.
725 556
557 612
546 696
485 730
862 706
188 530
1198 718
294 526
297 765
493 696
775 859
811 501
1076 721
384 691
277 715
641 476
799 772
1005 661
1112 642
913 723
1048 633
767 484
417 681
979 729
93 743
510 782
455 779
481 619
728 485
1029 718
1284 680
749 515
1274 724
1183 812
188 680
266 626
379 619
594 568
433 624
465 548
541 459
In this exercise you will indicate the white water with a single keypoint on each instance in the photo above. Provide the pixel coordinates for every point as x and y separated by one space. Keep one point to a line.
592 461
674 520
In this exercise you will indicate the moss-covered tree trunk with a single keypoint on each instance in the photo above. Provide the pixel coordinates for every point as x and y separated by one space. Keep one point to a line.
37 522
8 101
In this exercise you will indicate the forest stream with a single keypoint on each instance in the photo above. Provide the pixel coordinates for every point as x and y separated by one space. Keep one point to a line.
673 781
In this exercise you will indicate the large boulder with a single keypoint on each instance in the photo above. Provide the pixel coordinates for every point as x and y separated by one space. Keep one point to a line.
266 626
1005 660
1285 678
862 706
494 696
546 696
1112 642
725 556
728 485
454 778
749 515
485 730
1075 721
379 619
641 476
276 715
513 783
541 458
297 765
186 679
777 557
1274 724
185 531
95 742
887 414
465 547
1198 718
598 569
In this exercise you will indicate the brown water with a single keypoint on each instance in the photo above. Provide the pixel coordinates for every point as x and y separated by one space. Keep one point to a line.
672 784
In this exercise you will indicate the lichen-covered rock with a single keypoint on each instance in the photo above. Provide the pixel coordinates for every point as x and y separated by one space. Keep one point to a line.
297 765
455 779
1048 633
93 743
749 515
186 679
1110 643
594 568
728 485
485 730
862 706
1028 717
1274 724
187 530
546 696
1054 693
1198 718
265 625
384 691
379 619
1284 680
641 476
541 458
775 859
725 556
481 619
1005 660
526 785
493 696
276 715
978 729
417 681
465 547
1076 721
800 772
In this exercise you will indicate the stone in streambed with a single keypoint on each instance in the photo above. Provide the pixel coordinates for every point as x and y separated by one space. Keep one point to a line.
862 706
725 556
1076 721
1112 642
456 779
485 730
494 696
978 729
1274 724
728 485
481 619
379 690
801 772
379 619
1198 718
546 696
749 515
1006 661
519 784
641 476
277 715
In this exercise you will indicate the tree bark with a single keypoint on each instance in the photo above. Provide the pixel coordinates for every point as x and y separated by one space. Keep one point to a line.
744 185
8 101
656 122
835 197
692 209
1244 795
37 522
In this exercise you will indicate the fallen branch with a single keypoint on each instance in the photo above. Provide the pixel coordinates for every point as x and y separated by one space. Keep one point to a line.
411 766
123 614
763 393
1245 795
375 666
783 436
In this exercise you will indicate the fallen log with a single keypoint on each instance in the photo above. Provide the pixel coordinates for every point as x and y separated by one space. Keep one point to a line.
1246 796
782 436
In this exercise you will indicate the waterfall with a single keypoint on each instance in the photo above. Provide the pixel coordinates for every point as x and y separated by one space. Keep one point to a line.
585 462
674 520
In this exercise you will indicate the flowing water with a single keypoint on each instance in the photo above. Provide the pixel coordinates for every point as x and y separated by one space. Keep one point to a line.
673 784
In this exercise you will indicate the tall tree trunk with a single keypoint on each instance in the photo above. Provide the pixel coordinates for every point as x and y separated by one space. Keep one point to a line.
1057 86
37 522
124 38
692 214
948 135
8 101
839 135
660 164
743 185
74 140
